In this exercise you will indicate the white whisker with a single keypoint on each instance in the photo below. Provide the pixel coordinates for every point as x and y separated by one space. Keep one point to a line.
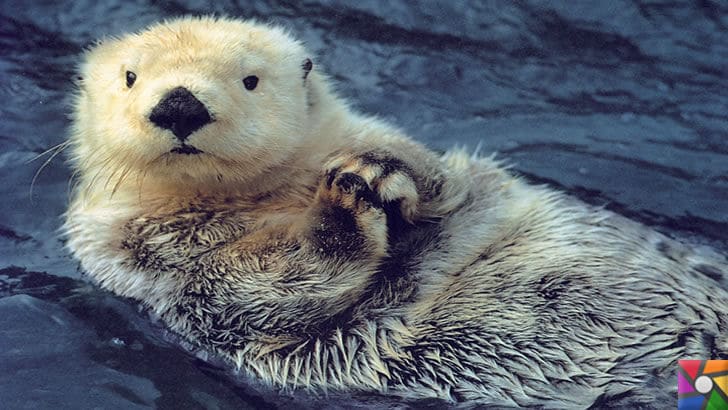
58 149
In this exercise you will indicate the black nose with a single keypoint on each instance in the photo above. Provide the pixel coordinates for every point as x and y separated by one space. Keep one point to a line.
180 112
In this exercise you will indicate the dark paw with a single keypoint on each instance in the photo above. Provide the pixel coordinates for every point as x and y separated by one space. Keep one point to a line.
348 190
350 217
387 178
351 183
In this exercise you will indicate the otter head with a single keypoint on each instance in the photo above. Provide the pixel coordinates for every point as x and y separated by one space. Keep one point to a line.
192 102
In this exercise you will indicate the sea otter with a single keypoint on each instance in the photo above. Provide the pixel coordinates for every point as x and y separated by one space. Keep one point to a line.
224 185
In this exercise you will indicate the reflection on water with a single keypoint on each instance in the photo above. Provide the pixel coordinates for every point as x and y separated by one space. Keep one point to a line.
620 103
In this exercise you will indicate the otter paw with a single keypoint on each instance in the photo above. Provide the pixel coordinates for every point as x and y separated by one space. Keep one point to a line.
349 219
348 190
389 179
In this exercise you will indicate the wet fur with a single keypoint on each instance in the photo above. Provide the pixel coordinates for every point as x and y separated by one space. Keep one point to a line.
343 255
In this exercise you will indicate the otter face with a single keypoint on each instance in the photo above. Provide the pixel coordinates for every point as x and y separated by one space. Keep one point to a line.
198 99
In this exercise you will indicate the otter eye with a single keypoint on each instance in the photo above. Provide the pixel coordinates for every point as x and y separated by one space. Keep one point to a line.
130 78
250 82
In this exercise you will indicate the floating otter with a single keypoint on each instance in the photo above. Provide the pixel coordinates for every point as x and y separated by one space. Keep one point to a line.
224 185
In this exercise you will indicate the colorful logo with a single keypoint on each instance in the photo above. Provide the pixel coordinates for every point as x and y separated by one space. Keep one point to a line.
702 385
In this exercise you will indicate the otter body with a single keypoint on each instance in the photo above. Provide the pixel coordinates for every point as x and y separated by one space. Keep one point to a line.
225 186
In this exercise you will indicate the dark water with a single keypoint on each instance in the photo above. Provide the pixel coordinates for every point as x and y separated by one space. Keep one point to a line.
623 103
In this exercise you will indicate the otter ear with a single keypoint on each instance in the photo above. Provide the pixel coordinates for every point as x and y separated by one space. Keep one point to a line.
307 66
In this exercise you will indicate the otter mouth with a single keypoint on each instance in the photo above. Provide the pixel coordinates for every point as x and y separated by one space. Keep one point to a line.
186 150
